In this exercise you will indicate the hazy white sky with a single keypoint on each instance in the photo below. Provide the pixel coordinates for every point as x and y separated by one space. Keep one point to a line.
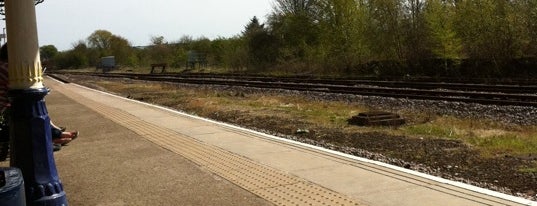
64 22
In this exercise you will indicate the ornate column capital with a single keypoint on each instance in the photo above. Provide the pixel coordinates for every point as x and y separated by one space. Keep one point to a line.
25 70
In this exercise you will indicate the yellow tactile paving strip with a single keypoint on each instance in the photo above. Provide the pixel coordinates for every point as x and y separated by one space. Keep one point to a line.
268 183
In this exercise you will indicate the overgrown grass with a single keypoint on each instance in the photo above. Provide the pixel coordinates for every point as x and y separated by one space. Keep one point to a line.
430 130
323 113
529 169
491 138
512 144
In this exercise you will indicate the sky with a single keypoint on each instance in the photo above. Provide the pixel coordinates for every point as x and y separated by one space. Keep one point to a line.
64 22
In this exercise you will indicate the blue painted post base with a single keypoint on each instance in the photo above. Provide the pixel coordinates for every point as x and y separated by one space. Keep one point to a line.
32 148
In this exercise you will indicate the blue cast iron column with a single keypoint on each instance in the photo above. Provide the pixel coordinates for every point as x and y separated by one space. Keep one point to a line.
30 124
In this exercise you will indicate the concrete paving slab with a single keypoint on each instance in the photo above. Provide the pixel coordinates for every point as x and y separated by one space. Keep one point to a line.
174 123
202 130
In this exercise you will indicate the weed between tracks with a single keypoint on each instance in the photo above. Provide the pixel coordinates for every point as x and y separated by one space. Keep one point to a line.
490 138
476 150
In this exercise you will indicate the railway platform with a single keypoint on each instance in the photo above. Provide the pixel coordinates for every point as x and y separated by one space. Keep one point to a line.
132 153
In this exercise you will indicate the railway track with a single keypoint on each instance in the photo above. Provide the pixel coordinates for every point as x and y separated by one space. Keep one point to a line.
515 87
519 95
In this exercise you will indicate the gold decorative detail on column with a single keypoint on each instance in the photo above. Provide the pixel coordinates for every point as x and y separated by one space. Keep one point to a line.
26 75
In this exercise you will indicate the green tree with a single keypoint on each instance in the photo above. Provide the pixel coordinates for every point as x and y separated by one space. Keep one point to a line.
296 25
488 30
440 16
122 50
343 39
531 27
385 29
201 44
416 47
75 58
158 40
296 7
160 51
107 44
525 12
48 52
485 28
232 53
101 40
261 45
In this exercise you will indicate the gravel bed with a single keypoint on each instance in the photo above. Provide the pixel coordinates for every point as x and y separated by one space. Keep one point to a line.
516 115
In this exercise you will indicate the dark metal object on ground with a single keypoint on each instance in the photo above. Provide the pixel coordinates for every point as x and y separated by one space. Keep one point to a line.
161 65
107 63
377 119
